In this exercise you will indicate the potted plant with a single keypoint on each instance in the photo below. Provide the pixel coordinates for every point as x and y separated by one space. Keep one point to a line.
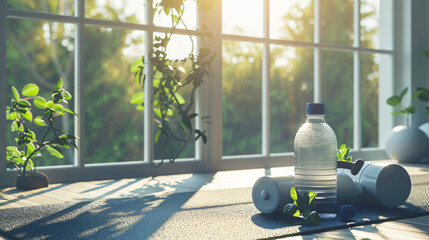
28 147
404 142
174 112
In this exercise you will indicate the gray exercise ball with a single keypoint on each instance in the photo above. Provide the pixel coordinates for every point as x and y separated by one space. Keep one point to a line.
407 144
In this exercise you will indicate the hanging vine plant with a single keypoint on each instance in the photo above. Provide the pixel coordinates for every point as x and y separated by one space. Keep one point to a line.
174 112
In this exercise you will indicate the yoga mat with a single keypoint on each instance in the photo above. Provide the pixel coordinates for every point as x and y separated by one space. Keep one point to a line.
211 214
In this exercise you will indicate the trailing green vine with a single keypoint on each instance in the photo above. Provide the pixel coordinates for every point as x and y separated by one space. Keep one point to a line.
170 76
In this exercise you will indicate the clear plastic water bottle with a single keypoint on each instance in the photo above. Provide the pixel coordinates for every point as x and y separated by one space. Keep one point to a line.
316 162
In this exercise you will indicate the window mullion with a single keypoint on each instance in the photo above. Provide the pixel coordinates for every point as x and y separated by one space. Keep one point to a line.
266 82
79 84
357 114
317 51
3 85
148 88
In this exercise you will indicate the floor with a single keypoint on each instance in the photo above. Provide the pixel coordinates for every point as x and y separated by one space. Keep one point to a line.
414 228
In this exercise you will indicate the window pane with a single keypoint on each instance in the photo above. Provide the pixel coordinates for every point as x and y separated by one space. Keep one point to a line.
178 48
113 126
337 93
189 16
132 11
369 99
62 7
337 21
41 53
370 23
292 20
291 89
241 88
242 17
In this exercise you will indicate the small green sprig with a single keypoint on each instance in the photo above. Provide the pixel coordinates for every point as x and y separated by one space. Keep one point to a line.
343 154
302 207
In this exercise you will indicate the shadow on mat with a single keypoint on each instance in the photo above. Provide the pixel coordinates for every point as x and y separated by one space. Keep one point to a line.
365 216
127 218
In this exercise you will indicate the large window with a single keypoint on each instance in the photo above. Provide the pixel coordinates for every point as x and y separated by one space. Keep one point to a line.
272 57
293 52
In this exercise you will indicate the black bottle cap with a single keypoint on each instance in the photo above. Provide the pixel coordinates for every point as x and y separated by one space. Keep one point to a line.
315 108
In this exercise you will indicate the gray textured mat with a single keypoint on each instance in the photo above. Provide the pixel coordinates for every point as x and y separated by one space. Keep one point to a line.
216 214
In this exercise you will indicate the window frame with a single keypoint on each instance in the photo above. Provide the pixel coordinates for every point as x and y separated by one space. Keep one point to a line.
208 157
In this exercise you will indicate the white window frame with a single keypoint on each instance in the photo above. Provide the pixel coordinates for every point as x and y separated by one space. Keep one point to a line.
209 157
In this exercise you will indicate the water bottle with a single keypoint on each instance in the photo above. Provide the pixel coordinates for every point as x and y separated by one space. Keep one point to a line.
316 162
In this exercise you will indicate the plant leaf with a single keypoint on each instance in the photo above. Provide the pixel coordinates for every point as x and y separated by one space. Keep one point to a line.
56 152
425 94
411 109
291 210
60 83
15 94
343 147
137 65
395 100
339 156
39 121
27 115
137 98
157 135
404 92
30 90
40 102
180 99
313 219
293 194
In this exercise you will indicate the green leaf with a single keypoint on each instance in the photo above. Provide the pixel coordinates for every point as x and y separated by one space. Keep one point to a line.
339 156
311 196
291 210
11 115
30 148
411 109
27 115
60 83
66 95
157 135
346 152
175 18
425 94
17 126
56 152
69 111
313 219
13 151
24 103
343 147
179 98
137 98
404 92
140 107
15 94
40 102
30 90
157 112
395 100
40 122
293 194
49 104
137 65
204 138
416 94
